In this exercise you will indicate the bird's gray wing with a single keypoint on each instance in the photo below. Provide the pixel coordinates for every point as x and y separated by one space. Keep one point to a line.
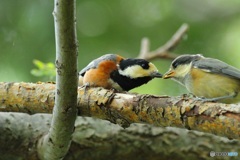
94 63
217 66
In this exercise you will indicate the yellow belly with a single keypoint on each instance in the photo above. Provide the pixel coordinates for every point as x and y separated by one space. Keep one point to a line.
210 85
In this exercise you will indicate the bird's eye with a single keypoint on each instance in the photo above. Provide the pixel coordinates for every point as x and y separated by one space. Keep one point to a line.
175 64
144 65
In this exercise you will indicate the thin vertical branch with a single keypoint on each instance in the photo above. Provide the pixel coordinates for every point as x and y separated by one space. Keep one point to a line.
56 143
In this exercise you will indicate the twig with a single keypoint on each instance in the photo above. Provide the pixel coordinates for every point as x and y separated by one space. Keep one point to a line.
145 44
55 144
165 50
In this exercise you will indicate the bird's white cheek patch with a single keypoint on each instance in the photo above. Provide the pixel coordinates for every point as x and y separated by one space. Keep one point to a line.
182 71
137 71
133 72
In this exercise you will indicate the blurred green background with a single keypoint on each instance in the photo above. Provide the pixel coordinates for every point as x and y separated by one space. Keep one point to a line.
117 26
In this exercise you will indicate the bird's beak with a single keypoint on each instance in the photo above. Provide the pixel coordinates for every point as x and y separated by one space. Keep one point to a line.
169 74
156 74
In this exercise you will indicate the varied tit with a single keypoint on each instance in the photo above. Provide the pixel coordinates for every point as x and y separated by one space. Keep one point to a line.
206 78
112 71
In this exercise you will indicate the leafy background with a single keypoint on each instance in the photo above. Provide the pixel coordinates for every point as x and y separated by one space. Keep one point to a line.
107 26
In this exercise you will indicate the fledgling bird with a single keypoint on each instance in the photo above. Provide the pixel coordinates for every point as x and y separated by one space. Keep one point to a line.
206 78
112 71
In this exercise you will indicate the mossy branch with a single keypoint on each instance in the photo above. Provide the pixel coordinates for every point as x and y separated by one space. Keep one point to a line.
100 139
125 109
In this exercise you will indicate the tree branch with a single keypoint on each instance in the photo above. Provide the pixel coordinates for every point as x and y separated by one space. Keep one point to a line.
56 143
164 51
108 141
124 109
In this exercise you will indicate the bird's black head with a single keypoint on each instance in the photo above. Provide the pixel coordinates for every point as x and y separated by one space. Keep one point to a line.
181 66
136 68
124 64
132 73
185 59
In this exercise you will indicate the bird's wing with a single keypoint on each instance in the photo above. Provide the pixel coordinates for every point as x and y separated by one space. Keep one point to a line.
94 63
217 66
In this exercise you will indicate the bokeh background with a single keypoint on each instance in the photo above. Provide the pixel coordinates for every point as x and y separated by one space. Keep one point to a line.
117 26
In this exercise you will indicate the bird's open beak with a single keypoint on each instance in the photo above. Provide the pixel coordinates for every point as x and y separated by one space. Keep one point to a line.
156 74
169 74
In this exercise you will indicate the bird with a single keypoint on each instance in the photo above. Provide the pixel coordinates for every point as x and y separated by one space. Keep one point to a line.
112 71
208 79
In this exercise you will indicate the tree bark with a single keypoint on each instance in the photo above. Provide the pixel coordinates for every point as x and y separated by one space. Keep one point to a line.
55 144
124 109
100 139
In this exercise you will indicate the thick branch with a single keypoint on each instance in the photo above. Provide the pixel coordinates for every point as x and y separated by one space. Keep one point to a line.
99 139
163 52
56 143
217 118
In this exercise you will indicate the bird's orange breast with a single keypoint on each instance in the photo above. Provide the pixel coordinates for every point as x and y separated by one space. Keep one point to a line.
99 76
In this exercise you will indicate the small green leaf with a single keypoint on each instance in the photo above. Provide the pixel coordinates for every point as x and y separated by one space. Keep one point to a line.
38 63
44 70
